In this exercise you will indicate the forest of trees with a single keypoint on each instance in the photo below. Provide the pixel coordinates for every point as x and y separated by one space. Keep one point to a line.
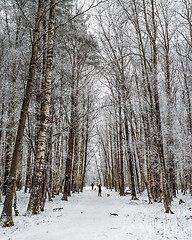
102 83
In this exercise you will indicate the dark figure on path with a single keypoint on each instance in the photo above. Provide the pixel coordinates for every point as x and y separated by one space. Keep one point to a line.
99 193
92 185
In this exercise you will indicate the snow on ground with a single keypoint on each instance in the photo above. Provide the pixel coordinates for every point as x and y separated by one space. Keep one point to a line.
87 217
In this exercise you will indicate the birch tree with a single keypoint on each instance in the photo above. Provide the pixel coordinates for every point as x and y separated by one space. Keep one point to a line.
35 197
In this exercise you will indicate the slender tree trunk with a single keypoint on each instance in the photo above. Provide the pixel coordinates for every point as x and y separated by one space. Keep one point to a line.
28 173
116 147
121 154
111 154
86 144
9 140
75 163
82 152
1 147
76 143
10 135
85 154
68 168
57 166
130 159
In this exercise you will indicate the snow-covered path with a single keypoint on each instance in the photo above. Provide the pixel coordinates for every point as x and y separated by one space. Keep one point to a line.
87 217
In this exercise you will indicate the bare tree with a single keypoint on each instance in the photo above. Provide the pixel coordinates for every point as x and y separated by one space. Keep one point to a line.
6 216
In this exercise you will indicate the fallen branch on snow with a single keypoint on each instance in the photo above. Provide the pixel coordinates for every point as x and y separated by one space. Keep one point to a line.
60 208
113 214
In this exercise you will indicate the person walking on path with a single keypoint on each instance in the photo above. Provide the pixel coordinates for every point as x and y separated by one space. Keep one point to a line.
99 193
92 185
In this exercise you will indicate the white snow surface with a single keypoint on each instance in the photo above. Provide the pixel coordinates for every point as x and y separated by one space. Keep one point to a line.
87 217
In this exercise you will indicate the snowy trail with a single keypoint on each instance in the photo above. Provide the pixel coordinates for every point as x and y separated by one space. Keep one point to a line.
87 217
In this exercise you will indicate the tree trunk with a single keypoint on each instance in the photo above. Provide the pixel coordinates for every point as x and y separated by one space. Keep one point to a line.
86 145
35 197
121 154
82 152
68 168
28 173
130 159
75 163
